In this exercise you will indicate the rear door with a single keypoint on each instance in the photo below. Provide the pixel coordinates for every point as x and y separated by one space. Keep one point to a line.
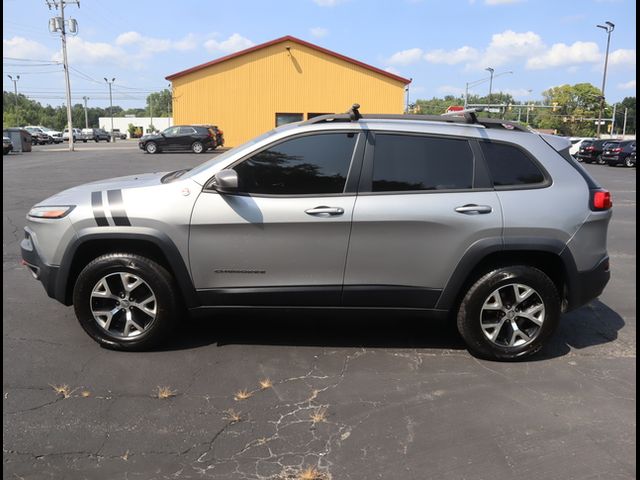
170 139
186 136
283 238
423 201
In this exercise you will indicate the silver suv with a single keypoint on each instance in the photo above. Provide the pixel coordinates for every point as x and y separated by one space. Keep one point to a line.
477 219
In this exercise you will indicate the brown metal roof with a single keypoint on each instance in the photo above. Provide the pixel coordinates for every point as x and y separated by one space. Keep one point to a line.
406 81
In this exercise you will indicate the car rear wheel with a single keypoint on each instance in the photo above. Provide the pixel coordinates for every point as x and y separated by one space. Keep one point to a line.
151 147
125 301
600 160
509 313
628 162
198 147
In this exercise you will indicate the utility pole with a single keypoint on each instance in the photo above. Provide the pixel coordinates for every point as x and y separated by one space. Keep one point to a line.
86 116
15 90
608 27
624 125
169 103
58 24
613 119
490 70
111 105
151 113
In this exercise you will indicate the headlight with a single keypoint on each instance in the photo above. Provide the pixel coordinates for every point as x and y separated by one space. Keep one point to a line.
57 211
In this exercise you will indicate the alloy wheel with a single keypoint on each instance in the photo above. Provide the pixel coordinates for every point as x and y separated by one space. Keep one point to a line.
512 315
123 304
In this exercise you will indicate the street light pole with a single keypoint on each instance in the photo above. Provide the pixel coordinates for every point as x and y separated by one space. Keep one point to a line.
608 27
490 70
86 116
15 90
110 105
624 125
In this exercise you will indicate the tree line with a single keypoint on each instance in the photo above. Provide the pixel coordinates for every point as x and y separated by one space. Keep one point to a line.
570 110
21 111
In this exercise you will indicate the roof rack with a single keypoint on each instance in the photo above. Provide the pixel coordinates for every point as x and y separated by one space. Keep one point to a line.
467 116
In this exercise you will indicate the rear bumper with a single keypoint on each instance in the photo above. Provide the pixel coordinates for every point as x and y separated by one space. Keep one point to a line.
45 274
589 284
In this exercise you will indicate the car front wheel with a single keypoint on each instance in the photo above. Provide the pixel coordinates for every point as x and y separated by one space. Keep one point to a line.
151 147
628 162
509 313
125 301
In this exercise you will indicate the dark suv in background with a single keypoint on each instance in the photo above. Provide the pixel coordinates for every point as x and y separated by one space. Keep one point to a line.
197 138
617 153
592 151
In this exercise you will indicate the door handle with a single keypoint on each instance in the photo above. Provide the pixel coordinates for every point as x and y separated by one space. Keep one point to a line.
325 211
471 209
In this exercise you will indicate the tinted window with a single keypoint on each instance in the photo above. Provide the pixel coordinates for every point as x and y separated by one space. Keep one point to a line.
313 164
403 162
509 165
186 131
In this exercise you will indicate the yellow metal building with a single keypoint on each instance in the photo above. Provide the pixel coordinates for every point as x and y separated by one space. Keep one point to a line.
287 79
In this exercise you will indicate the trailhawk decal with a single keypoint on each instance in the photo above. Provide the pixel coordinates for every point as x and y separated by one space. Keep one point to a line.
115 205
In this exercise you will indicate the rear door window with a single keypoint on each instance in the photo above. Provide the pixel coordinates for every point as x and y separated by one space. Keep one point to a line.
509 166
415 163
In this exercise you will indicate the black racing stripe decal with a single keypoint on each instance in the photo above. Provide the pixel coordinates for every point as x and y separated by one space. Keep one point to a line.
98 209
116 205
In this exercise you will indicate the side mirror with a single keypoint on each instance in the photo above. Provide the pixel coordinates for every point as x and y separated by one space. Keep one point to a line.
226 181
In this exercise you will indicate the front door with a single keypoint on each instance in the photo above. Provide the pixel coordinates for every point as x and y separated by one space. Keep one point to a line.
283 239
423 202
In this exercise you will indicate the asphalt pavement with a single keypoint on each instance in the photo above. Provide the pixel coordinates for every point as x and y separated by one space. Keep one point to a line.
343 396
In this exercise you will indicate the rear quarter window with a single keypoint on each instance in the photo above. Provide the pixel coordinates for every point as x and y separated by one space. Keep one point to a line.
509 166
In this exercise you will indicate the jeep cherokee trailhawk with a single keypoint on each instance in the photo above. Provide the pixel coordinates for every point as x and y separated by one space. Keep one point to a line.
478 218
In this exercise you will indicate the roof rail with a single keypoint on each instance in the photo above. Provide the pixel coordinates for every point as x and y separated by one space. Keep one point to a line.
467 116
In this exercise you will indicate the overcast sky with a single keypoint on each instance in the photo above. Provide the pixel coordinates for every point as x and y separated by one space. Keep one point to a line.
441 45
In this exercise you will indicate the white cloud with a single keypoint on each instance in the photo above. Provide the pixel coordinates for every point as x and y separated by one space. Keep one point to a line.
451 57
20 47
630 85
82 51
328 3
623 58
319 32
451 90
406 57
501 2
234 43
561 55
392 70
148 46
509 45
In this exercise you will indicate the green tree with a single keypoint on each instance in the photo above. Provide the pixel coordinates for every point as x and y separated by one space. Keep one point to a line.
573 109
159 104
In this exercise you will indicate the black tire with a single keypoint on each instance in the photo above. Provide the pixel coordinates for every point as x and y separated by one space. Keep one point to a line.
470 310
198 147
159 282
84 141
628 162
151 147
600 160
97 140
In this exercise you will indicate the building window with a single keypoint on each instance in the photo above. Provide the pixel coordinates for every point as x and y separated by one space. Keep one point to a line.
311 115
284 118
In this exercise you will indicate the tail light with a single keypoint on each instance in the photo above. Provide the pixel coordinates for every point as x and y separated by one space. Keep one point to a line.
601 200
616 149
590 148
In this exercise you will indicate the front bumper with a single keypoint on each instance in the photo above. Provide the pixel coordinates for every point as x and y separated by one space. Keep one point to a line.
46 274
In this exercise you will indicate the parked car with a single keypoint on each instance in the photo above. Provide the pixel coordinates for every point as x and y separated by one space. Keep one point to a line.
54 134
576 143
99 134
118 134
618 153
77 135
197 138
591 151
631 160
38 136
340 211
7 146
